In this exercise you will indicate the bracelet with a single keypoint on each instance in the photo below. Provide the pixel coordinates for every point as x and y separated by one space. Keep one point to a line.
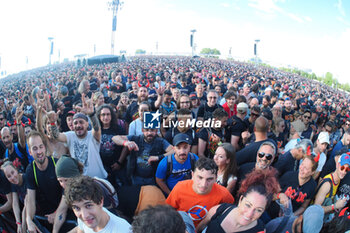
53 123
278 195
18 223
125 142
119 163
333 208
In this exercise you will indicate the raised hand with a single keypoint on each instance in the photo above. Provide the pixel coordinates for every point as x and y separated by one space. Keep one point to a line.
88 107
19 112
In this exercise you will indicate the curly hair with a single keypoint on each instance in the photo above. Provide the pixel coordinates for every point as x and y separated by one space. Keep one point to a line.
114 118
262 181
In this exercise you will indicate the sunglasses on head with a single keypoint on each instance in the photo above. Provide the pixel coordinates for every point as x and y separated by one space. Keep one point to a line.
267 156
347 169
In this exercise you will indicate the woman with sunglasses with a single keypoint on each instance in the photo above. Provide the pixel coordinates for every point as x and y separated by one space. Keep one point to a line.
328 187
256 193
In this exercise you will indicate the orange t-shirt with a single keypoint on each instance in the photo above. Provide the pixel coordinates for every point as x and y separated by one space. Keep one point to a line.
183 198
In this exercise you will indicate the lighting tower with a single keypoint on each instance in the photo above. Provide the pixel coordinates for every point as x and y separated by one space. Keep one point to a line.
256 50
192 40
51 48
114 6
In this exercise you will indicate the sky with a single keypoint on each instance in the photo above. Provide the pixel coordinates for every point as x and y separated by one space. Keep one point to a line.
312 35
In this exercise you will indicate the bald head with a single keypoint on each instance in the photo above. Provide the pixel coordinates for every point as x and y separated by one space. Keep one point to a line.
261 125
5 130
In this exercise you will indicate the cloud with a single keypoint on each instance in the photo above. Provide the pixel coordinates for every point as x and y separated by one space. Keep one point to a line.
225 4
339 5
342 20
270 7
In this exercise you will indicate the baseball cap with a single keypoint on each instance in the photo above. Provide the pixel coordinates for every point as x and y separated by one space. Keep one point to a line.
268 89
80 115
313 219
246 85
173 85
242 107
323 137
70 113
193 96
181 137
167 92
344 159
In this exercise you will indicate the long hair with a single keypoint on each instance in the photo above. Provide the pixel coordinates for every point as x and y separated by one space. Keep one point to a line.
262 181
114 118
231 168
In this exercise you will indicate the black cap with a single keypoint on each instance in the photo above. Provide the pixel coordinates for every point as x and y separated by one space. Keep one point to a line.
181 137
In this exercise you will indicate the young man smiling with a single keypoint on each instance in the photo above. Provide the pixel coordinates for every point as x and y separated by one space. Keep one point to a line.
85 197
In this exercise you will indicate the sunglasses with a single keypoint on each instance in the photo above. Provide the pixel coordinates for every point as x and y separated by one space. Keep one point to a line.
307 117
1 119
267 156
347 169
255 115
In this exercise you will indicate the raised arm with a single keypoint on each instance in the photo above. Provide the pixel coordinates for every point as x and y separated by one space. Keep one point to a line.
88 109
52 116
20 129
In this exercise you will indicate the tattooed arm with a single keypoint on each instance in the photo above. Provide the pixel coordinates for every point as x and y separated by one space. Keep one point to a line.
96 128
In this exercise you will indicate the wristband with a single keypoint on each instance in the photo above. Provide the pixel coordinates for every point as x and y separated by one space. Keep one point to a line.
18 223
125 142
53 123
333 209
278 195
119 163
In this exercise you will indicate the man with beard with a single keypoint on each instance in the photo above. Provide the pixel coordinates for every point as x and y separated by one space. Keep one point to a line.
264 158
178 166
43 189
145 151
288 112
142 95
83 145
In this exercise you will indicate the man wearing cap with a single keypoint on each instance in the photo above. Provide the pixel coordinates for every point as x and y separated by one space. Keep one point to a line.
320 148
178 166
309 222
83 145
328 187
113 97
195 102
237 125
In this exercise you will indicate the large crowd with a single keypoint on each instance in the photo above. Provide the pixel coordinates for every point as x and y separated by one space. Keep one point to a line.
238 147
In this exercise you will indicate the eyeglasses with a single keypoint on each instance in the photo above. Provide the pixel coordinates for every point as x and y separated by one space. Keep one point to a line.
255 115
347 124
307 117
267 156
186 102
347 169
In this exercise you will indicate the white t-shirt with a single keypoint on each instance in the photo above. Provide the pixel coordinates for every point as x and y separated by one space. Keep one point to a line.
219 179
114 225
87 151
135 127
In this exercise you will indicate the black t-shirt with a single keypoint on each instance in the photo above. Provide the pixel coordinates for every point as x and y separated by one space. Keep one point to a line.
132 112
48 190
288 116
244 170
21 160
237 126
344 188
328 168
109 151
298 194
21 190
68 102
205 135
2 150
307 133
285 163
5 185
170 134
207 112
248 153
214 226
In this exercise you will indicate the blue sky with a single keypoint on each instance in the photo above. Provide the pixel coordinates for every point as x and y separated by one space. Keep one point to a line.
306 34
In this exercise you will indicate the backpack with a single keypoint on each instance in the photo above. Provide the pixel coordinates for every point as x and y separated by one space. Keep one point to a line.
111 200
19 153
169 167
